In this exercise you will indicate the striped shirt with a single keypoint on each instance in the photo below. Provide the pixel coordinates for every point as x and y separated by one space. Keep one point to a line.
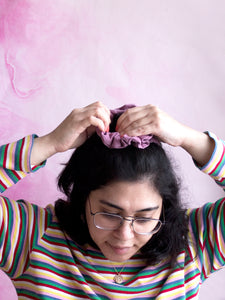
44 263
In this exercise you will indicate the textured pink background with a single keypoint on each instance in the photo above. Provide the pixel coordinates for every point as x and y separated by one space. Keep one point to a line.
57 55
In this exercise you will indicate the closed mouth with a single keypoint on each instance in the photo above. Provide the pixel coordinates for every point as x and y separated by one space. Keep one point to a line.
119 249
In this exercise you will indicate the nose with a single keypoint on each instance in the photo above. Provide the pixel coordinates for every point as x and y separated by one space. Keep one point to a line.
125 231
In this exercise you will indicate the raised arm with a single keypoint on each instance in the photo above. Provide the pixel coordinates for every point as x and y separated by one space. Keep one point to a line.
151 120
72 132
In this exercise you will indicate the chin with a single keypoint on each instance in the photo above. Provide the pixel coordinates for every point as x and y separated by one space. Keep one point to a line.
118 259
118 255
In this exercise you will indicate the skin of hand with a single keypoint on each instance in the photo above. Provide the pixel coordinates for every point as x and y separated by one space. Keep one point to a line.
72 132
150 119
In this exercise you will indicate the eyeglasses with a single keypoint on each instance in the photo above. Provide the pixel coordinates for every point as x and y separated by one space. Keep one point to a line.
109 221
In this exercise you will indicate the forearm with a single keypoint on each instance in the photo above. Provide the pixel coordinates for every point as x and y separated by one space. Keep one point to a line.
199 145
42 149
15 161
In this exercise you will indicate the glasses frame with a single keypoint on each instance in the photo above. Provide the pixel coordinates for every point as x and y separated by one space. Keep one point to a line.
129 219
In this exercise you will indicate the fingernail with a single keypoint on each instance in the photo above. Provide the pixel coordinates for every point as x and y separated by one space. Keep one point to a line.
116 128
107 129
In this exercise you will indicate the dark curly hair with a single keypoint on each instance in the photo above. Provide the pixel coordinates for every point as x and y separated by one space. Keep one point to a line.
93 165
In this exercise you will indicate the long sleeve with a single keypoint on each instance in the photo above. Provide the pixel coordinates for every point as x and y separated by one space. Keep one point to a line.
207 224
21 223
21 226
216 165
15 162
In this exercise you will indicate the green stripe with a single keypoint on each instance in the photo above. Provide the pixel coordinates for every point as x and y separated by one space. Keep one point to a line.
219 167
54 269
2 152
17 156
10 225
11 175
52 284
59 256
21 238
32 295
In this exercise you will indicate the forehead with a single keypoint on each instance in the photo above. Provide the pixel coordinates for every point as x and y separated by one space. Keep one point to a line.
129 196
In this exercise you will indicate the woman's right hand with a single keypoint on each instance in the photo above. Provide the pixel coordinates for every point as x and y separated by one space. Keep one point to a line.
72 132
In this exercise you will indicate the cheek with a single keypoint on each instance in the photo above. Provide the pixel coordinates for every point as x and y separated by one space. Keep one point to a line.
96 234
99 236
142 240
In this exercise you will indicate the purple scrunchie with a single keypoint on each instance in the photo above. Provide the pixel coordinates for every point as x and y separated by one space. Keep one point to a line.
116 141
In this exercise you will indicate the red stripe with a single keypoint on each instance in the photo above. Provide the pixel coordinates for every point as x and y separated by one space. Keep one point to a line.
18 239
16 174
172 288
21 154
53 257
208 225
197 226
5 156
221 158
53 272
3 185
32 232
193 277
7 230
217 238
50 286
193 296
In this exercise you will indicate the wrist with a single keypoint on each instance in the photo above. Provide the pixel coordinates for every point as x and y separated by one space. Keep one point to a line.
199 145
43 148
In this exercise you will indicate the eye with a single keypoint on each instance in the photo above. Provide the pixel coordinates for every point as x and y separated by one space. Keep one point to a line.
143 220
110 216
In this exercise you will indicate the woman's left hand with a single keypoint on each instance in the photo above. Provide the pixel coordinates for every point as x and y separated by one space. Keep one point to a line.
150 119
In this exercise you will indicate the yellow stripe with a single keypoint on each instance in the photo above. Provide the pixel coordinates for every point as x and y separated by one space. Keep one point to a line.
10 159
25 161
5 179
215 159
45 291
16 226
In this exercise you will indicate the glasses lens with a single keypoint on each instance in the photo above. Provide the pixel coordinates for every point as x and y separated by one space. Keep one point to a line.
107 221
145 226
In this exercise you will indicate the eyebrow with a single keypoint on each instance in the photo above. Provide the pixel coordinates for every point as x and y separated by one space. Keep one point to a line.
120 208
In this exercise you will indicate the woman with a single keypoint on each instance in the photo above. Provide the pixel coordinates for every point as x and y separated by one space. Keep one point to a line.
120 232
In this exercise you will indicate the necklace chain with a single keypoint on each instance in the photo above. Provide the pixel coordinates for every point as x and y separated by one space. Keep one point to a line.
118 278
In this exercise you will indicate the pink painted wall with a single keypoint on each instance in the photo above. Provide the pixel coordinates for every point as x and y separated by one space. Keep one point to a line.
57 55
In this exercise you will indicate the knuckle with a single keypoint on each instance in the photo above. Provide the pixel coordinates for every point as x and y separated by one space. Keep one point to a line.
135 124
140 130
98 110
74 115
149 106
127 115
98 103
74 111
154 109
89 119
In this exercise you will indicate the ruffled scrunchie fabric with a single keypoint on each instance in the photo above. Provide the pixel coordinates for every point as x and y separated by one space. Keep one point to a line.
116 141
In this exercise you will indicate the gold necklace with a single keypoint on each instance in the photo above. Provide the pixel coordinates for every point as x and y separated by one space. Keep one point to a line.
118 278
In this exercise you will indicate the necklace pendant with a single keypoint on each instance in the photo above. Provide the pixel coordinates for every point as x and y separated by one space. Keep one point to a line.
118 279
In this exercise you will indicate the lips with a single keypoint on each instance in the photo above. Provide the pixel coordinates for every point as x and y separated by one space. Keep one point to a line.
120 250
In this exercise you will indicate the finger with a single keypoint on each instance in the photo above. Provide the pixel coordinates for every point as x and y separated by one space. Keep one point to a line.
101 112
126 118
92 121
136 120
142 126
131 115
